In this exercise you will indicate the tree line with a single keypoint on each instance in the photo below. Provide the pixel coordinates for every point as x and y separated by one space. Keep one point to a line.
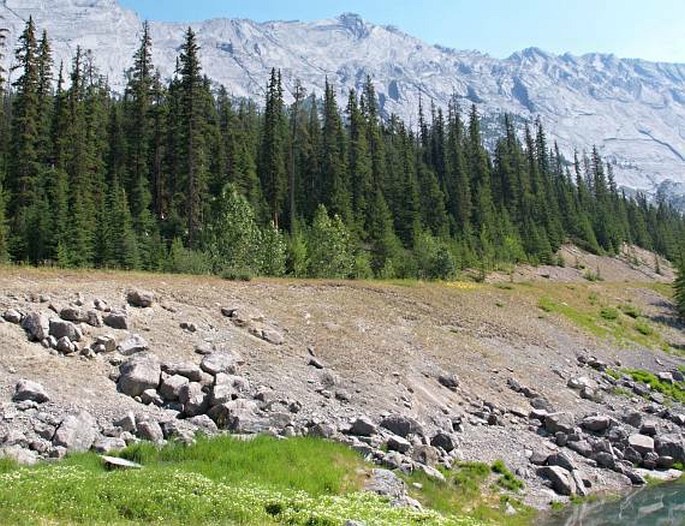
181 176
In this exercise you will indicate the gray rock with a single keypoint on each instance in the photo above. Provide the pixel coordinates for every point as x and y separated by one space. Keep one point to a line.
427 455
561 479
649 461
170 387
579 482
193 398
582 447
399 444
386 484
671 446
188 326
135 343
580 382
119 463
140 298
561 459
150 430
220 362
604 459
74 314
77 432
665 462
402 426
239 416
322 430
631 455
649 428
127 423
65 345
541 403
596 423
151 397
191 371
204 423
93 318
363 426
107 341
12 316
315 362
444 441
28 390
139 373
36 325
633 418
678 419
559 422
117 320
19 455
61 329
448 380
108 444
666 377
641 443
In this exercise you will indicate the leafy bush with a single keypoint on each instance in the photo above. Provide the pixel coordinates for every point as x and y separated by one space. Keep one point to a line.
609 313
182 260
630 310
507 479
643 327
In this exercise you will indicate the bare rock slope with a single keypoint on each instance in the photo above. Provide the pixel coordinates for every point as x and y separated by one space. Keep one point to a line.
413 376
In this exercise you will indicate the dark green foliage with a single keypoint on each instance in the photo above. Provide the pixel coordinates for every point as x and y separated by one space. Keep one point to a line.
679 287
140 181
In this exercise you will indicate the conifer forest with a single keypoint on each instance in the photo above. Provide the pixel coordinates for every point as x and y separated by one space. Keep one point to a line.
180 176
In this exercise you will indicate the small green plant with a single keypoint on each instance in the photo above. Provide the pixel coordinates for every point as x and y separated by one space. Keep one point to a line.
675 391
507 479
609 313
643 327
546 304
593 275
593 298
236 274
630 310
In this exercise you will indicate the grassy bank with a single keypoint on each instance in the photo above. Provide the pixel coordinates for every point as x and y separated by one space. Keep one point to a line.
227 481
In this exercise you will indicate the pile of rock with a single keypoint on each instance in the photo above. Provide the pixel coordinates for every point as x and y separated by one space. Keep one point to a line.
619 444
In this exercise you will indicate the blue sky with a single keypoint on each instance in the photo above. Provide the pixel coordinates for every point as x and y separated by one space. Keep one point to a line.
649 29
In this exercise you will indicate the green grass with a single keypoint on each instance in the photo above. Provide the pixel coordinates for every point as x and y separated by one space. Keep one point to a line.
216 481
507 479
597 316
472 488
675 391
609 313
630 310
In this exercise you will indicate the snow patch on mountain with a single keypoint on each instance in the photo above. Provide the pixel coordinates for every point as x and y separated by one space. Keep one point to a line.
633 110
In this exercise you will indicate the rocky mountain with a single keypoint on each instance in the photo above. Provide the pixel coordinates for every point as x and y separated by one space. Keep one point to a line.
633 110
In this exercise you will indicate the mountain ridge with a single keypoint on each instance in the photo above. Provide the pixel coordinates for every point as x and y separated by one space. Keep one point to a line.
632 109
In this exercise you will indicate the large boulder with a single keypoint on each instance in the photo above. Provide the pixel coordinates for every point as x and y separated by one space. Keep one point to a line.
116 320
28 390
65 329
171 386
445 441
596 423
385 483
75 314
140 298
641 443
239 416
364 427
139 373
36 325
451 381
671 446
193 399
402 425
561 479
563 422
76 432
135 343
220 362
